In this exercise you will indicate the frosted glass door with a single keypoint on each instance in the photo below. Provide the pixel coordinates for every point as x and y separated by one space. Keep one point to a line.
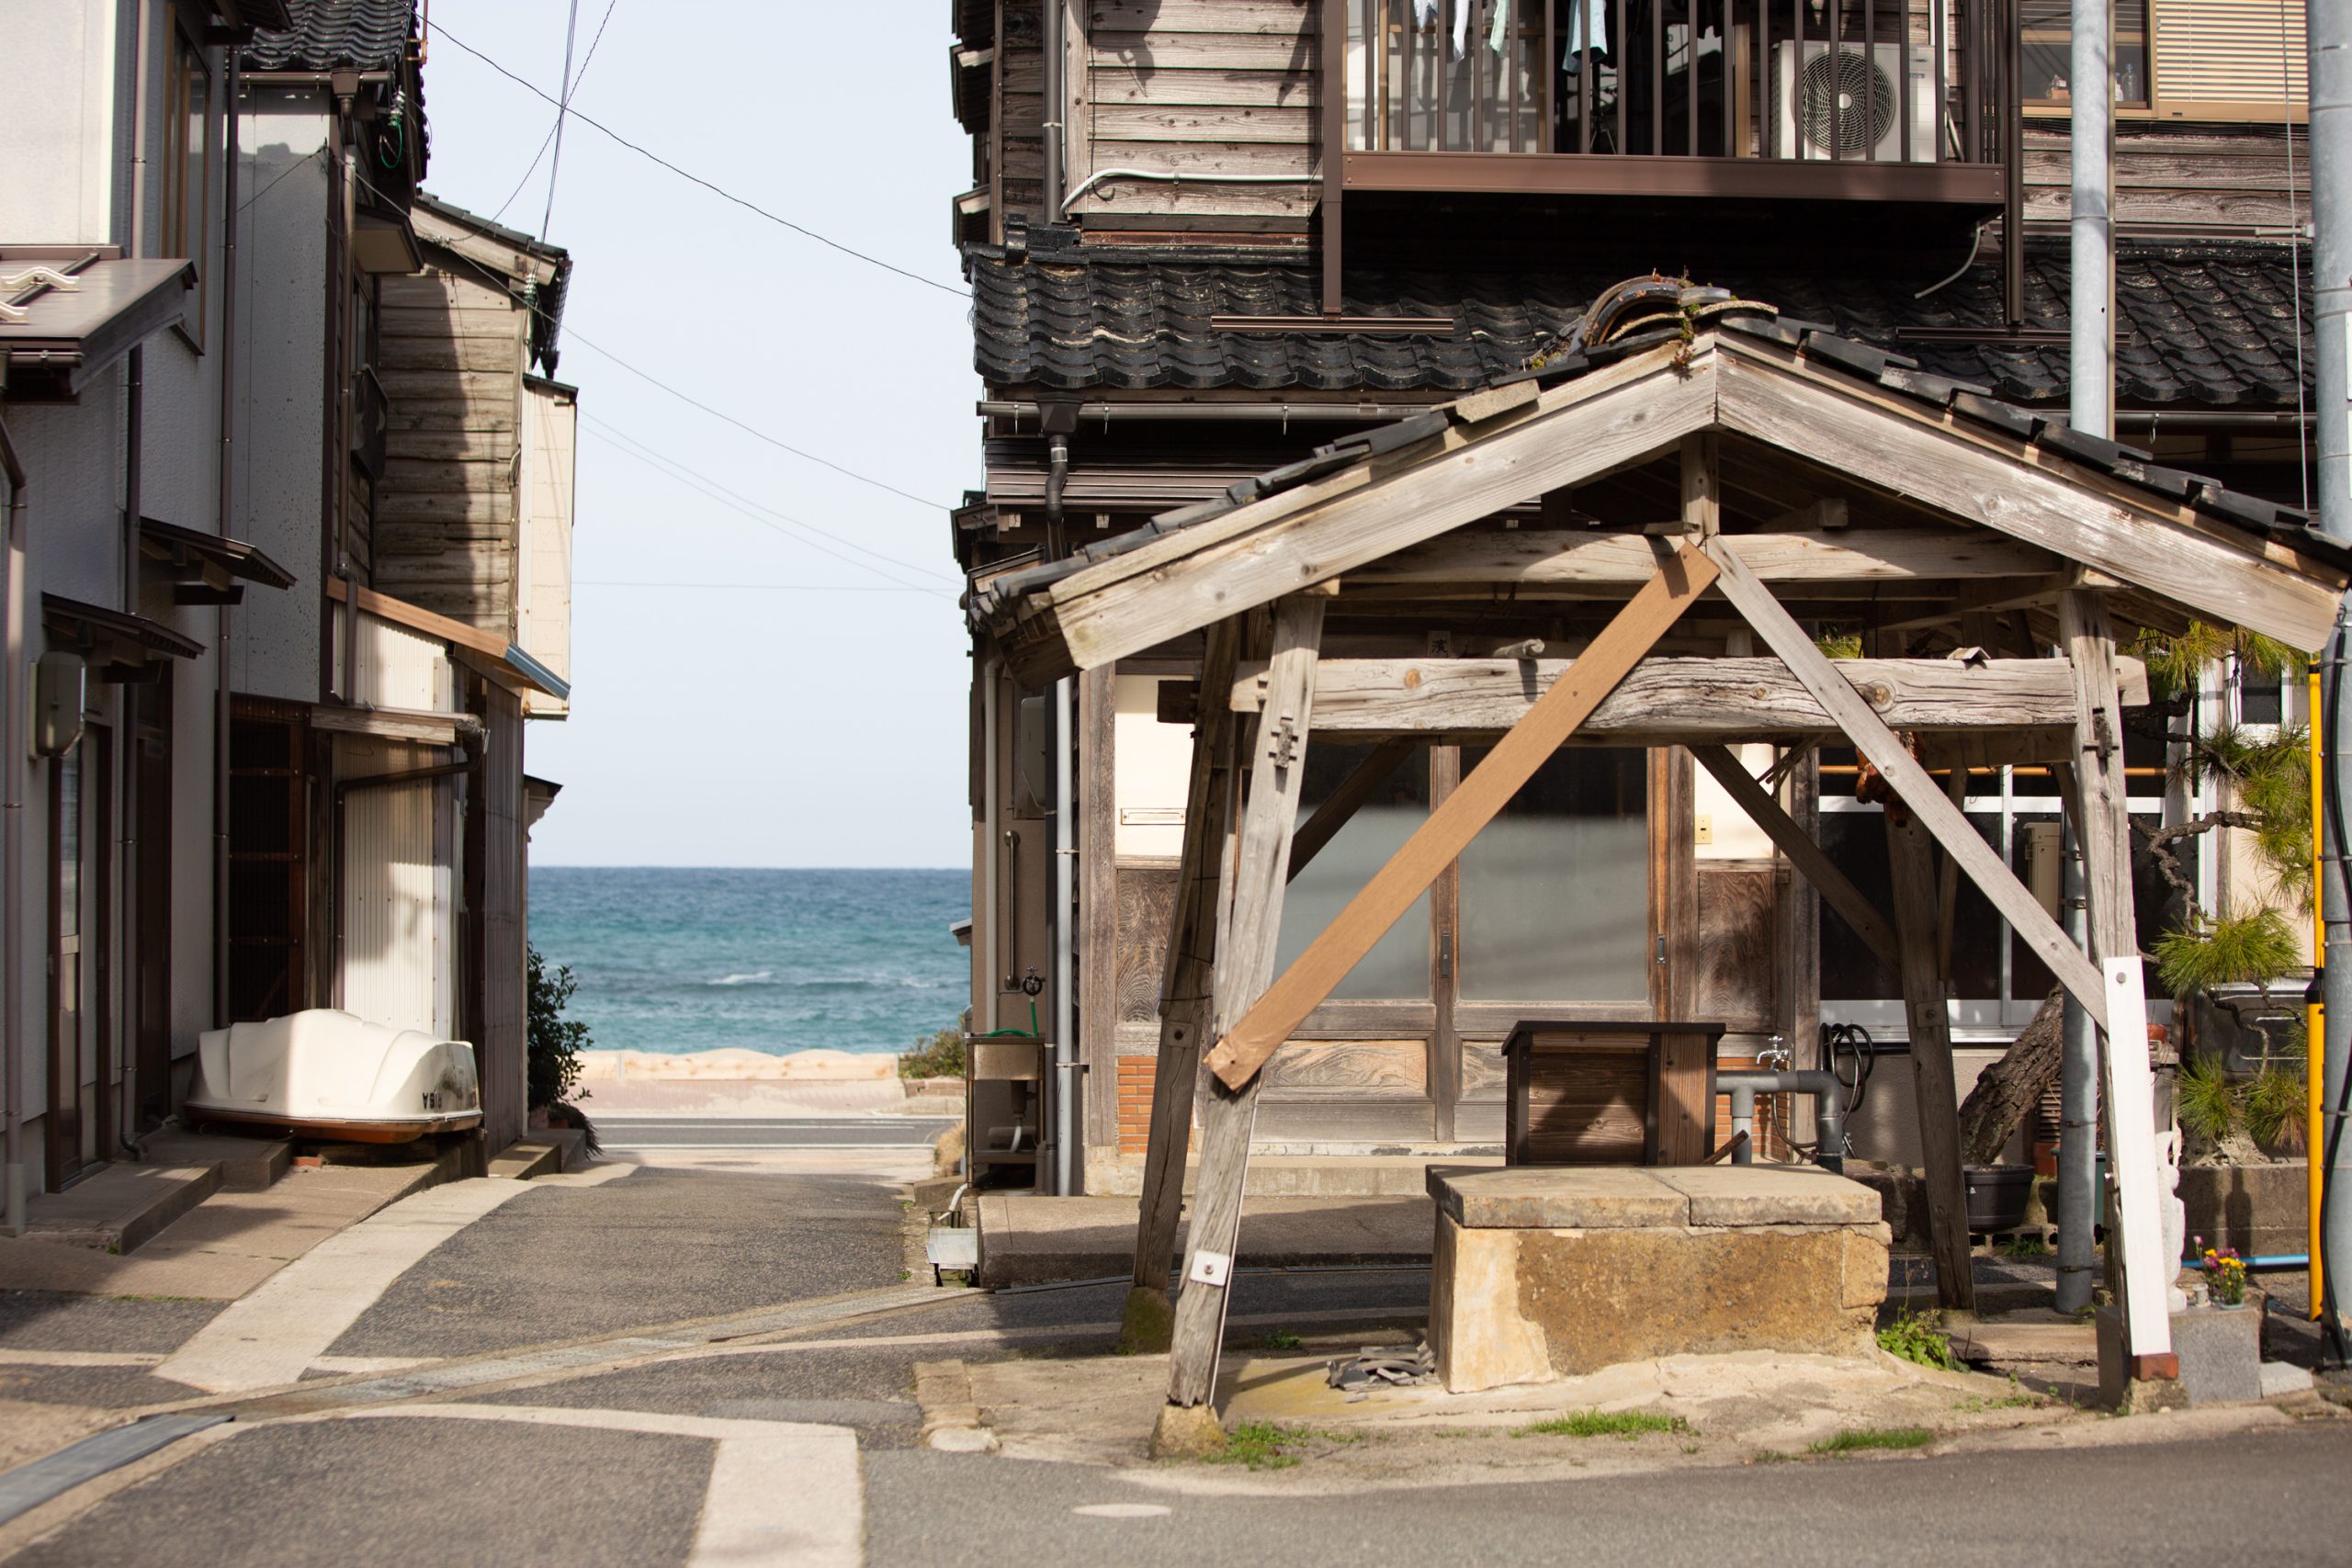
1397 968
1555 903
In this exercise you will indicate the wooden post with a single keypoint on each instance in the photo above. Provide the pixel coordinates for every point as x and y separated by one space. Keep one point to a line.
1184 999
1444 834
1269 816
1911 856
2135 1224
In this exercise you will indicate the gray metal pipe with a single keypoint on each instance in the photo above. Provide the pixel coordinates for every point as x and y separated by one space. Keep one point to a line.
2328 30
1829 1109
1051 126
12 838
1064 938
2090 389
2078 1111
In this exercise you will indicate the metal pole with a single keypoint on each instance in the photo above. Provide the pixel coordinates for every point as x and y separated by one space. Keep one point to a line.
2329 32
2090 409
2078 1111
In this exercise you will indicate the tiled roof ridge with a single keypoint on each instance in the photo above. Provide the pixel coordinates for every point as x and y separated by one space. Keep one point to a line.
1893 373
372 35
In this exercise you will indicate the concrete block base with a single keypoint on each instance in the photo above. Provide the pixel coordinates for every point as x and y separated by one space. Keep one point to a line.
1650 1262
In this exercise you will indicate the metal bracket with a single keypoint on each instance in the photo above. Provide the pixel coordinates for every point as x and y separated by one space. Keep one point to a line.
1281 742
1210 1269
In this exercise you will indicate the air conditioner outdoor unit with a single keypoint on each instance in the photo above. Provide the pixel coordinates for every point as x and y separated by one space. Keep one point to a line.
1853 99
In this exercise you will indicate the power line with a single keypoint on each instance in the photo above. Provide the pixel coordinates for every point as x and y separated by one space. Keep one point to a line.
572 334
563 113
755 587
550 137
720 191
767 517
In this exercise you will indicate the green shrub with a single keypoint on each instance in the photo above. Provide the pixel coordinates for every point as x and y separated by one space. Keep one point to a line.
2206 1100
1626 1423
2277 1109
554 1044
2257 946
939 1054
1854 1440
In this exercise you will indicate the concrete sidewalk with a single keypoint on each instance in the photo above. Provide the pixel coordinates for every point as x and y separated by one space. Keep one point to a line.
1031 1241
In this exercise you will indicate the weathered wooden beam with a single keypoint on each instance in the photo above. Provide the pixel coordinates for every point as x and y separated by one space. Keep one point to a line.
1277 775
1288 542
1537 558
1998 596
1912 858
1829 512
1665 701
1362 782
1185 998
1911 783
1448 829
1702 485
2239 585
1792 841
2127 1102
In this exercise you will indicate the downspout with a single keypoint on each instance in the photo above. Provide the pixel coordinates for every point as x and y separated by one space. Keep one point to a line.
2091 410
1064 937
332 484
2329 33
12 832
145 22
346 374
221 698
984 1003
1051 127
126 828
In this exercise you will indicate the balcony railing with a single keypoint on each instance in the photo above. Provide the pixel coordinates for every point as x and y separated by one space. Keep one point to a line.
1889 99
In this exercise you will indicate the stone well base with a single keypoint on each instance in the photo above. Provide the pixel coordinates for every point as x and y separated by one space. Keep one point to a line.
1554 1272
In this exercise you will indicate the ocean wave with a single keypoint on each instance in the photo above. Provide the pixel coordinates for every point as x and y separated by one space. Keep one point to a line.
752 979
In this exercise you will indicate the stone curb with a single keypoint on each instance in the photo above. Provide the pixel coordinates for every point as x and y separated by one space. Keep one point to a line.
951 1421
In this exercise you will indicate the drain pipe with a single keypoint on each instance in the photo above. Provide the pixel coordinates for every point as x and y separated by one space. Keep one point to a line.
125 763
2329 37
1828 1110
1066 1064
223 701
12 834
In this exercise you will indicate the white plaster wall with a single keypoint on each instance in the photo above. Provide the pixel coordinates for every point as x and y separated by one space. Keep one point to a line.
58 120
281 345
1151 764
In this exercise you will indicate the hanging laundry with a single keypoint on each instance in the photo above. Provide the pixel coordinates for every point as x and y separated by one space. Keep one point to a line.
1589 20
1497 25
1425 12
1461 9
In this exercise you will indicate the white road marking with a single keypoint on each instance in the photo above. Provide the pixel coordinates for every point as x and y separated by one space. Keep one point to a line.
782 1493
1122 1511
270 1336
80 1357
343 1366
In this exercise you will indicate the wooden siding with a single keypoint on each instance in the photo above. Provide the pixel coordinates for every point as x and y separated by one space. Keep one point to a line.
1198 88
451 361
2223 182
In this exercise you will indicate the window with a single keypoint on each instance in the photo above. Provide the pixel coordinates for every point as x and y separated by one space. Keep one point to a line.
2047 52
186 164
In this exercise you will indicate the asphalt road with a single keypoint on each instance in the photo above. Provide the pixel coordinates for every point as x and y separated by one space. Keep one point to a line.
628 1134
626 1460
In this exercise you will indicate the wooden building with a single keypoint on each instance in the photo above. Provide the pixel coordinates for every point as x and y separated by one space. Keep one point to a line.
1277 224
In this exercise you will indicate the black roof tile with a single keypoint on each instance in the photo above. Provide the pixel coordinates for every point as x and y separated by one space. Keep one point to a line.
2212 324
371 35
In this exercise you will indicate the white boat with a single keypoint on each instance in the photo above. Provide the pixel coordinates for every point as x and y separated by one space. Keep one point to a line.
332 1074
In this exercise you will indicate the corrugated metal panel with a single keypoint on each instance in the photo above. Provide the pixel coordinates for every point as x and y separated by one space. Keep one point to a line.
543 559
2230 52
399 936
402 668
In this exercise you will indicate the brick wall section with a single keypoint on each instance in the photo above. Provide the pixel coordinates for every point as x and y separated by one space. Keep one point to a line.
1136 1075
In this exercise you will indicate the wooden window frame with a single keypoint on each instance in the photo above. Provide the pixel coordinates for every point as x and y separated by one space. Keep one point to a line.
184 226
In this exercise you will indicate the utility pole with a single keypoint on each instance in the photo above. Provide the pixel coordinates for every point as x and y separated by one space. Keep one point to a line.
2329 32
2090 408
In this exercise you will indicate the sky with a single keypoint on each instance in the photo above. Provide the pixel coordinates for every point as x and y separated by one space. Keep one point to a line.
775 678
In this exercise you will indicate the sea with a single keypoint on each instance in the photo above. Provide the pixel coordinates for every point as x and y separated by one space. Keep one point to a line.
675 960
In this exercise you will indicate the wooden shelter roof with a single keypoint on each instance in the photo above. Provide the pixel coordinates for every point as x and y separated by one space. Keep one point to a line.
1866 490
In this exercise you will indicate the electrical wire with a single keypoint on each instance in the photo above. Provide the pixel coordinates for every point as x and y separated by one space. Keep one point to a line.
563 113
550 137
718 190
749 429
767 517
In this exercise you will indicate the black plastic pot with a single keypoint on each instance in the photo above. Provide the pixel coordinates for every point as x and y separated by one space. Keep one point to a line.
1998 1195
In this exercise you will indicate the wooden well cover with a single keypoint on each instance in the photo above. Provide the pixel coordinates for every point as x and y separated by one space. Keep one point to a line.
1610 1092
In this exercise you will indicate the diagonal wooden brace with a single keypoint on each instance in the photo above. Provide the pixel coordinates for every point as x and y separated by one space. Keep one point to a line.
1944 821
1448 830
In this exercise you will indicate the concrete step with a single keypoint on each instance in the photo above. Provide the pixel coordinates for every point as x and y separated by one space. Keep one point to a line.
1397 1172
548 1151
120 1207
